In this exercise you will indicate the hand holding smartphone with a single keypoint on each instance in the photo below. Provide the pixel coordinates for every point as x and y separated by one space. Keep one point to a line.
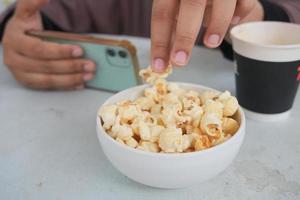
116 61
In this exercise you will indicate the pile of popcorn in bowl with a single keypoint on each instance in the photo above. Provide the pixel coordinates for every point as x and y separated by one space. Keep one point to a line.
170 119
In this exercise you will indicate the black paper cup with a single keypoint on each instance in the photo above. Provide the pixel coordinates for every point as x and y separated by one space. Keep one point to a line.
267 63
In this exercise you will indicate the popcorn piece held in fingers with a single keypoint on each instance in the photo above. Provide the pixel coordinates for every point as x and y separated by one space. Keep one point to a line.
149 76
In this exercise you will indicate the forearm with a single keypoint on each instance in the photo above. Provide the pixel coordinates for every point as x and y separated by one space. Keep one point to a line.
48 24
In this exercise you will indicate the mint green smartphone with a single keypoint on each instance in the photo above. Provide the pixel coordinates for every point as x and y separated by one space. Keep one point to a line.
116 60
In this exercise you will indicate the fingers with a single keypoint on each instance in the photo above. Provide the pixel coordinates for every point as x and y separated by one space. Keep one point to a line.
27 8
163 16
221 16
243 9
37 48
188 25
56 74
66 66
50 81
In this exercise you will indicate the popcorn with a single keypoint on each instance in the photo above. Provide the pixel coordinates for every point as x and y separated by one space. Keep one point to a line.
161 87
155 109
211 124
120 141
128 112
123 132
151 93
187 141
151 77
170 140
230 103
131 142
145 103
214 107
174 89
155 131
144 131
169 119
229 126
149 146
220 140
202 143
108 115
209 94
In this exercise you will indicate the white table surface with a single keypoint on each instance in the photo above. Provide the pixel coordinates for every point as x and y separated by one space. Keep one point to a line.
49 148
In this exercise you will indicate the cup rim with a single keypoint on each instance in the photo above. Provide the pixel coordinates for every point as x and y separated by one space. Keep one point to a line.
100 129
284 46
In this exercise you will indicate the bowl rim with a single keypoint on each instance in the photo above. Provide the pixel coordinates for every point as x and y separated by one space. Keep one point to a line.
100 129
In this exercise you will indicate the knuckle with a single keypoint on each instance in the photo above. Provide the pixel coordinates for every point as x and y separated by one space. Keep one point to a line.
184 42
64 51
49 67
75 66
160 45
185 39
74 79
196 3
46 81
162 14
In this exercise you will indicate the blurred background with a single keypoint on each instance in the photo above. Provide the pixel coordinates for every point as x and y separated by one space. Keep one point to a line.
4 4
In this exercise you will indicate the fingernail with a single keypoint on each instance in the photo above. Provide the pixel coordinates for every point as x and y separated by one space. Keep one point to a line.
214 39
89 67
235 20
88 77
80 87
159 65
77 52
180 58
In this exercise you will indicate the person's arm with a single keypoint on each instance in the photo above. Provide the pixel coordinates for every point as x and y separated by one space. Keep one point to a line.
48 24
37 63
279 10
59 15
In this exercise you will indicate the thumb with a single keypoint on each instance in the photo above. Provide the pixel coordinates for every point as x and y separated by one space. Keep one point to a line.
27 8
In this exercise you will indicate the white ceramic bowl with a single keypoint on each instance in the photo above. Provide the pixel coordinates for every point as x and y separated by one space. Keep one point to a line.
163 170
